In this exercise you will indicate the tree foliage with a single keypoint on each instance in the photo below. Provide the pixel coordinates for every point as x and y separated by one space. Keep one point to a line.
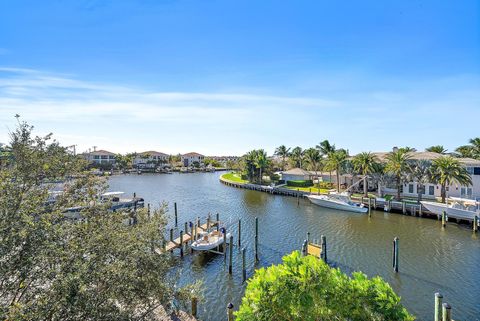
54 269
307 289
447 170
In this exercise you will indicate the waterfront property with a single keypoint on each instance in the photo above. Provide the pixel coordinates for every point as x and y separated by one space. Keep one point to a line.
190 159
100 157
150 159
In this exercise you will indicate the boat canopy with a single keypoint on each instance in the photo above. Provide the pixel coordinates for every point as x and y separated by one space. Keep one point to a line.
112 193
465 201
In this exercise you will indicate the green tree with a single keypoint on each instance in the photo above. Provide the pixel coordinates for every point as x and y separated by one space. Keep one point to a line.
365 164
314 160
335 162
297 156
472 150
261 163
283 152
307 289
447 170
94 269
419 172
436 149
326 149
397 165
249 160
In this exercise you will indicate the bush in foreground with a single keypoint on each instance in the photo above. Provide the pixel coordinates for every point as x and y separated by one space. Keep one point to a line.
305 288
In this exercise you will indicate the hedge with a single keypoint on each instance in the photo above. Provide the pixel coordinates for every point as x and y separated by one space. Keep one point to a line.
306 183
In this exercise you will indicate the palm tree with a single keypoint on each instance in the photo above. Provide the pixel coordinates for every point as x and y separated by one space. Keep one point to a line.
297 156
397 162
436 149
283 152
365 164
419 171
447 170
325 149
335 162
465 151
261 162
314 159
250 159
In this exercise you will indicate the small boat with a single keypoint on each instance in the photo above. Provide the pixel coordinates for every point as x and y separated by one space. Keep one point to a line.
121 203
338 202
458 208
209 241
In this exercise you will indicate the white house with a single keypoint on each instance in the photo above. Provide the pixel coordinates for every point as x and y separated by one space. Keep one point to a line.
410 189
100 157
296 174
190 158
150 159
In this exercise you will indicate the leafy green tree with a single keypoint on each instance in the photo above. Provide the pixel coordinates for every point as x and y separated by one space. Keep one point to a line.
397 165
307 289
326 149
261 162
297 156
314 160
53 269
283 152
365 164
249 164
420 171
335 162
447 170
471 151
436 149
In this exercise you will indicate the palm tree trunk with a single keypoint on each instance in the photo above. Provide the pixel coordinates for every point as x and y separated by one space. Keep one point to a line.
444 193
338 180
260 176
419 191
365 187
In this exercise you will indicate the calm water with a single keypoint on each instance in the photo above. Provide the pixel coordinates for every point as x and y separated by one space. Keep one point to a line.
431 259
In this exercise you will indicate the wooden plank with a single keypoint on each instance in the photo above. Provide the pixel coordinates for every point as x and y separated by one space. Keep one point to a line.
314 249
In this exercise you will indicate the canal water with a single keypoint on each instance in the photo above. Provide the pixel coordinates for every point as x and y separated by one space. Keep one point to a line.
432 259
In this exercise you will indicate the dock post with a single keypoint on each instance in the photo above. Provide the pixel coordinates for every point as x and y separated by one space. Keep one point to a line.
176 215
239 232
324 248
230 255
361 200
256 239
404 208
308 238
438 307
304 248
444 219
217 218
298 196
395 254
186 228
225 247
420 213
244 270
230 312
369 207
134 195
374 203
446 312
171 235
208 221
475 223
148 209
194 306
389 206
181 243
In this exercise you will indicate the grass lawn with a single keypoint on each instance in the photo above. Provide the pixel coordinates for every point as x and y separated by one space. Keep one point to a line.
234 178
307 189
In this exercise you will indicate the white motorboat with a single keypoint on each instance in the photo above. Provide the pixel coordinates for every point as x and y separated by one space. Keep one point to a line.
338 202
209 241
458 208
121 203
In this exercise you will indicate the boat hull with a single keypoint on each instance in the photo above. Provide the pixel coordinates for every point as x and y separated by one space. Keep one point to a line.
212 243
324 202
439 208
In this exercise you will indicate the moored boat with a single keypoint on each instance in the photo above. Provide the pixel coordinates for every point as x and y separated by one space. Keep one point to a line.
337 202
458 208
209 241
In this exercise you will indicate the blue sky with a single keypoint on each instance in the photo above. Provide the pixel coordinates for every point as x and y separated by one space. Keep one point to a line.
224 77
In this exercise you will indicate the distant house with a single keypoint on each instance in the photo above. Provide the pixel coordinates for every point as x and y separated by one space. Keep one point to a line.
100 157
150 159
189 159
296 174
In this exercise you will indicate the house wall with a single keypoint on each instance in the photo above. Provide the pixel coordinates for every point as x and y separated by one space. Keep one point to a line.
292 177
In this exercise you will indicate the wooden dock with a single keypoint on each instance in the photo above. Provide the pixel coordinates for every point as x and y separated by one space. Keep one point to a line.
188 237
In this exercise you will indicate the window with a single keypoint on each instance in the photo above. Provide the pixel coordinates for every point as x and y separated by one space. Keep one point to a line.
431 190
466 192
476 171
469 170
104 157
96 157
410 188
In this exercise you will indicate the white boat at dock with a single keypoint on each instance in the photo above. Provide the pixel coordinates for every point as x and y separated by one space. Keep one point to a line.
209 241
122 203
458 208
338 202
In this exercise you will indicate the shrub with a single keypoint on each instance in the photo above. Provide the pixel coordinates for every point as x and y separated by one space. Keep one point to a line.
306 183
306 288
326 185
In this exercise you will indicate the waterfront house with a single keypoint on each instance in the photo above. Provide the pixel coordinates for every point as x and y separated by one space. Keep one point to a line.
150 159
190 159
100 157
432 190
296 174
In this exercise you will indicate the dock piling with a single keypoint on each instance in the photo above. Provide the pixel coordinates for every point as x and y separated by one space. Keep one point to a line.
308 237
324 248
444 219
230 255
438 307
374 203
194 306
181 243
244 270
225 247
208 221
217 218
369 207
446 312
404 207
230 312
176 214
239 232
171 235
395 254
256 239
475 223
